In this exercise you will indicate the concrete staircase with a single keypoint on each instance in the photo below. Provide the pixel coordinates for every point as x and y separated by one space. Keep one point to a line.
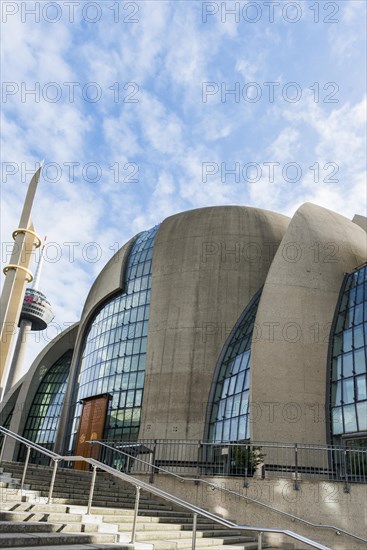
28 522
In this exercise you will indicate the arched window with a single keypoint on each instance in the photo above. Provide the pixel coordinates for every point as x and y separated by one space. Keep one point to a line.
348 398
229 418
44 414
114 353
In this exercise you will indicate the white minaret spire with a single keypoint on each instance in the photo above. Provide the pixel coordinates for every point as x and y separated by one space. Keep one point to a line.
17 275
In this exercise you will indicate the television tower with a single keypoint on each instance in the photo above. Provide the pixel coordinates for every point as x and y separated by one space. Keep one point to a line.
36 315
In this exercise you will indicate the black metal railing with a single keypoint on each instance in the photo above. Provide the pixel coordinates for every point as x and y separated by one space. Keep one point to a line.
245 459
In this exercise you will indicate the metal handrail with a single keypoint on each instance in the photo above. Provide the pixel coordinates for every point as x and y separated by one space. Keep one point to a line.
270 444
35 446
230 491
138 484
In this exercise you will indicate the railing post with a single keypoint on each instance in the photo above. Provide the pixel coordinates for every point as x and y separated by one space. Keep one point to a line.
25 467
52 484
260 540
152 464
3 448
199 461
136 510
346 484
91 490
296 485
194 527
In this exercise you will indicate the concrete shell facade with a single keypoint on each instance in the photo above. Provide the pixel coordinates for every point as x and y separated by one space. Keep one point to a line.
294 320
207 266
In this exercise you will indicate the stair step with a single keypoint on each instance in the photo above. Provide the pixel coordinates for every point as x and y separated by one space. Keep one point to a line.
25 527
39 516
49 539
187 535
152 527
181 544
93 546
151 512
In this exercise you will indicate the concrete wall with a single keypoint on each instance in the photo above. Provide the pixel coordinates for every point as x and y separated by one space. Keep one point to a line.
318 502
290 344
207 265
29 384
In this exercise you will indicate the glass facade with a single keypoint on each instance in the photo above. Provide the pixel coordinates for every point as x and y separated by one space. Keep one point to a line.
44 414
114 354
229 419
348 355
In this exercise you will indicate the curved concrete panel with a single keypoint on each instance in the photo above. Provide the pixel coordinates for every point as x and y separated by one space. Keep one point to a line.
28 385
207 265
290 343
361 221
109 281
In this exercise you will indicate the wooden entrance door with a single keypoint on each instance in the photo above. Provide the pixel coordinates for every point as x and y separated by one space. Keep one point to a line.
91 427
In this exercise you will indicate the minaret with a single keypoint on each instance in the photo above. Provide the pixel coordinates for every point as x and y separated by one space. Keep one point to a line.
36 315
17 275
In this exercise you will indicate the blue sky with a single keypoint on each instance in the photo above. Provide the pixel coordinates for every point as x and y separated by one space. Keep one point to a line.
136 102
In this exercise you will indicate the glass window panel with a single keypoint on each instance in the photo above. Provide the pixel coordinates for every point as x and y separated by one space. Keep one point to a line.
350 419
352 296
361 387
226 430
359 294
221 408
247 380
225 387
348 364
362 275
358 337
349 314
232 385
360 361
234 429
218 431
337 345
228 409
236 364
344 302
236 405
348 390
336 393
358 314
138 397
144 343
347 340
337 421
244 403
242 428
362 416
239 382
340 322
337 368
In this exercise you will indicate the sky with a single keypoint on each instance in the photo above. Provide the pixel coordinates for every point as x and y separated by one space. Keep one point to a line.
144 109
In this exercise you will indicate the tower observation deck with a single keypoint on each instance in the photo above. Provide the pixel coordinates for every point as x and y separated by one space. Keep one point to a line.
36 309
